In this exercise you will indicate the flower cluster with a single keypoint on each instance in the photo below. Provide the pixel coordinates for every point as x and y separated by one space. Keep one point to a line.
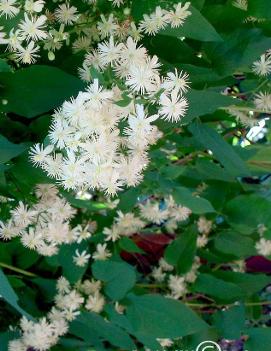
97 142
44 226
79 24
150 213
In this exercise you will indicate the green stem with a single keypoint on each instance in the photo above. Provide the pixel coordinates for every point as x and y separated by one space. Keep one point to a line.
18 270
243 108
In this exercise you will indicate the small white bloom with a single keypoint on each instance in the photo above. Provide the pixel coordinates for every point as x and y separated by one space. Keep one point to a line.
172 108
263 247
95 303
262 67
8 8
81 258
66 14
101 252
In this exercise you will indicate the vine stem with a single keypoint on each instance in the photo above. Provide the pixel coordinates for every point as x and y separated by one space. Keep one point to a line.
243 108
18 270
248 304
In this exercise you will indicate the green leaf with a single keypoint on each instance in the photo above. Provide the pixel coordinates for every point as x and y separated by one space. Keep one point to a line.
246 212
221 150
119 277
65 258
191 26
9 150
154 316
259 8
231 322
233 243
94 329
219 289
237 52
4 66
9 294
129 245
258 338
181 252
37 89
249 283
202 102
198 205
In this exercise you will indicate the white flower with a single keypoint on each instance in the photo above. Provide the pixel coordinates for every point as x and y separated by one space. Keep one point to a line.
172 108
165 266
81 259
32 28
107 27
176 18
204 226
158 275
34 6
101 252
144 78
180 213
165 342
153 23
241 4
23 216
38 153
262 101
63 285
177 286
8 230
66 14
31 239
95 303
117 3
152 212
91 286
178 81
17 345
8 8
263 247
109 52
263 66
202 241
27 55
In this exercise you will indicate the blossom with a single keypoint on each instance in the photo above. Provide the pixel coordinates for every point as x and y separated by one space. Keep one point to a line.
241 4
107 27
157 274
262 67
63 285
152 212
176 81
172 108
8 8
117 3
177 286
32 28
263 247
262 101
27 55
177 16
101 252
81 258
151 24
109 51
204 226
34 6
144 78
66 14
95 302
